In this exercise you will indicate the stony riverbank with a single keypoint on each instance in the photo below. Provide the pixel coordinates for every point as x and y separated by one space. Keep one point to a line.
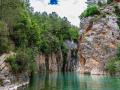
14 86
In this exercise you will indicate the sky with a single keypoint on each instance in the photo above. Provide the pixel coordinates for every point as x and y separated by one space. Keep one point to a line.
65 8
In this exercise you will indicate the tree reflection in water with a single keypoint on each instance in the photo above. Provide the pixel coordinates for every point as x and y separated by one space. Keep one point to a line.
73 81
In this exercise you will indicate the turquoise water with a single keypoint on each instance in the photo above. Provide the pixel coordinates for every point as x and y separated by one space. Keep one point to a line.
73 81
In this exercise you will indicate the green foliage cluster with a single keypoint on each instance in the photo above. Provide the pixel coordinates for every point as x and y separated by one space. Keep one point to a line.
109 1
1 82
113 65
118 52
90 11
5 43
117 12
54 31
20 27
100 4
21 61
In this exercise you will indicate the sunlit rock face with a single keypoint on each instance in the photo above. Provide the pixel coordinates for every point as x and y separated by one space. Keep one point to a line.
99 37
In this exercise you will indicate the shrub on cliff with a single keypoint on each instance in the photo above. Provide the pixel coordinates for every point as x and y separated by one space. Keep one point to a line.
109 1
117 63
117 12
5 45
118 53
90 11
113 65
22 61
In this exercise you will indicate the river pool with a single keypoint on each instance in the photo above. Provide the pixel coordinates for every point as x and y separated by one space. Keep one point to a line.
73 81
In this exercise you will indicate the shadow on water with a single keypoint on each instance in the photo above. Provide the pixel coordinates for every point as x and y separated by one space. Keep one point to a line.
73 81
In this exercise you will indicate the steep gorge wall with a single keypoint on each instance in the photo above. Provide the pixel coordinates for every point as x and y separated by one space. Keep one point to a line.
98 41
57 62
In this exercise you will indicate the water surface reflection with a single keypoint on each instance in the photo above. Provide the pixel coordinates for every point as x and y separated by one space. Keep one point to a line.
73 81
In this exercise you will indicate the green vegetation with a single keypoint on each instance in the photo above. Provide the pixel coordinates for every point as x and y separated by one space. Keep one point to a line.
4 40
90 11
21 61
0 82
100 4
117 12
109 1
28 33
54 31
113 65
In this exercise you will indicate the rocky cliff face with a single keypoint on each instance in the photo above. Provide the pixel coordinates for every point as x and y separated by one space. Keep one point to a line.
57 62
53 62
99 37
6 76
4 69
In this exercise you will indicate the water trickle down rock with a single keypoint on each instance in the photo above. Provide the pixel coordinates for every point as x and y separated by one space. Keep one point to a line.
99 37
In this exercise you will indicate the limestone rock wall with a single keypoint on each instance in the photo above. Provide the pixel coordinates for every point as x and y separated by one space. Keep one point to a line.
50 63
57 62
99 37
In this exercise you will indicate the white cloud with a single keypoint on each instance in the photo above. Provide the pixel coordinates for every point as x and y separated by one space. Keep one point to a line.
68 8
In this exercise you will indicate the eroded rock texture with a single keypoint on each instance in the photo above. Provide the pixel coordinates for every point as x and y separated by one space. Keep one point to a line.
57 62
99 37
51 62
